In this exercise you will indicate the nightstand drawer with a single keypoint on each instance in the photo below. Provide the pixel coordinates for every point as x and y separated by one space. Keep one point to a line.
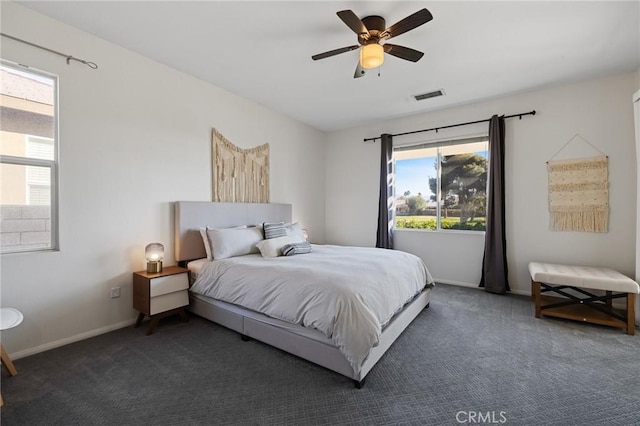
168 301
168 284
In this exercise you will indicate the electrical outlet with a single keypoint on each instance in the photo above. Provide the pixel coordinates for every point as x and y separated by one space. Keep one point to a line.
115 292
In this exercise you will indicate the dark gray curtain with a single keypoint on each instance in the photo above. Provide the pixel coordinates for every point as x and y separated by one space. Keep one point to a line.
384 238
494 263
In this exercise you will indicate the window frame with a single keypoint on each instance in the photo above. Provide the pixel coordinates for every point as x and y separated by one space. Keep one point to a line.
52 165
466 140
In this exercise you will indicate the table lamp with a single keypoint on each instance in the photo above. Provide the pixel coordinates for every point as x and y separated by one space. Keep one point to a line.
154 253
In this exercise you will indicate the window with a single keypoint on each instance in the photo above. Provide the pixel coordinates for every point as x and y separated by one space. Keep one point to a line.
442 186
28 159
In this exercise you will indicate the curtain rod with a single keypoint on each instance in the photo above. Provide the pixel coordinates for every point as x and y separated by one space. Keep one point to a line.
91 65
453 125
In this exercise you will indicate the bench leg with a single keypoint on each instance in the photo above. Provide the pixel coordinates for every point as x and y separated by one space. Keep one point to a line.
631 314
537 297
533 296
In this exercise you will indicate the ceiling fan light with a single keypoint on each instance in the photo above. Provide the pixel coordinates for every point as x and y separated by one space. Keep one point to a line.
371 55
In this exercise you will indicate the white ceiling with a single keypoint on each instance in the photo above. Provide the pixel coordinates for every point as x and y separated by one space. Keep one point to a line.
474 50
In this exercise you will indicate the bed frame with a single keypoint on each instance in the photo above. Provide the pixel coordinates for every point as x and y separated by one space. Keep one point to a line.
190 216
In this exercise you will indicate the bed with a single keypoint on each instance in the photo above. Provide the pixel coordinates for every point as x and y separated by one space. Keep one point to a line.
339 349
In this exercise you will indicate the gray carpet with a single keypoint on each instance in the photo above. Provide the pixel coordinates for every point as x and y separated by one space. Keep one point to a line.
471 358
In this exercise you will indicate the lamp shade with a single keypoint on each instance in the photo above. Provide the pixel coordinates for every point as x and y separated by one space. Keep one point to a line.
154 252
371 55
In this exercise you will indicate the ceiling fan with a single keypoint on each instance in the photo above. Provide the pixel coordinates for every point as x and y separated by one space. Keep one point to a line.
371 30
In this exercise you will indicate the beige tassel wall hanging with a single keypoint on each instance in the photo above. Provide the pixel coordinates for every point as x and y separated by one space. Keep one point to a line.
579 193
239 175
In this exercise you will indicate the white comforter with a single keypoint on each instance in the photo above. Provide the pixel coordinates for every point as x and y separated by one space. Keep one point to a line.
348 293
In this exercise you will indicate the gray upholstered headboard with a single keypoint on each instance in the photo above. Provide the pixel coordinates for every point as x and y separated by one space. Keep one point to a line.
190 216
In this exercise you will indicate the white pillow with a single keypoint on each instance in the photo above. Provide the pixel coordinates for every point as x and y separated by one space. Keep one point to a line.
233 242
273 246
206 242
295 229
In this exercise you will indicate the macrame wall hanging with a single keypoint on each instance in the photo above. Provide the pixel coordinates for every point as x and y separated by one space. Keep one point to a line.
239 175
579 193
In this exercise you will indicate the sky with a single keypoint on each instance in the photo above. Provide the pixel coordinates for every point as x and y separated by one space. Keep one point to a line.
413 175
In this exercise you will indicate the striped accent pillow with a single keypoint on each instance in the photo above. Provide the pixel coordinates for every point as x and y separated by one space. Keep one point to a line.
296 248
274 230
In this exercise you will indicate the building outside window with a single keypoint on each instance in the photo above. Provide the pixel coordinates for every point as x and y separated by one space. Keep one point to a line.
28 159
39 178
442 186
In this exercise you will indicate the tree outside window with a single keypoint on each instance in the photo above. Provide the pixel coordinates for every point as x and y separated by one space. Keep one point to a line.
449 182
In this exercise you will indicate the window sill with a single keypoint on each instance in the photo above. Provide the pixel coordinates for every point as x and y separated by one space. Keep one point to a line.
440 231
35 250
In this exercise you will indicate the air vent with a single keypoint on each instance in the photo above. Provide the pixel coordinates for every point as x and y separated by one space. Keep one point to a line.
428 95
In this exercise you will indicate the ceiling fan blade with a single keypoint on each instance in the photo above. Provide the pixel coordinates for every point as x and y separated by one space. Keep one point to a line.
334 52
360 72
402 52
353 22
407 24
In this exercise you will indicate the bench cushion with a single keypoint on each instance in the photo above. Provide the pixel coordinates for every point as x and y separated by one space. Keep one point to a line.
582 276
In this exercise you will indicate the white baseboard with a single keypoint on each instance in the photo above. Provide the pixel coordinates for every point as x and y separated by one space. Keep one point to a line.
458 283
469 285
71 339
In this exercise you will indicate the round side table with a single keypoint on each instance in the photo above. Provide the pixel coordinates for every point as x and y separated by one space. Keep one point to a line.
9 318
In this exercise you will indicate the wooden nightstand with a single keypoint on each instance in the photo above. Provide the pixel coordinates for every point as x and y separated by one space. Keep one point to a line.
157 295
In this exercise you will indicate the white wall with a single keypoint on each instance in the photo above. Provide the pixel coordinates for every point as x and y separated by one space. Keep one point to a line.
134 137
598 110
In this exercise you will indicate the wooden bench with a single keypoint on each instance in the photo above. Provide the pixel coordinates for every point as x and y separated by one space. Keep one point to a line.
578 302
